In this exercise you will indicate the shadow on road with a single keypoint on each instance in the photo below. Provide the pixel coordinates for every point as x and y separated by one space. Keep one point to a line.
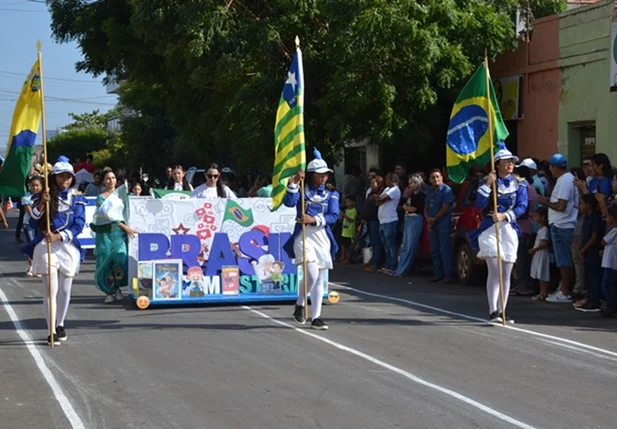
466 300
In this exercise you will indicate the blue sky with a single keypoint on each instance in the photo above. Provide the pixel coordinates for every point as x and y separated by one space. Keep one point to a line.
22 23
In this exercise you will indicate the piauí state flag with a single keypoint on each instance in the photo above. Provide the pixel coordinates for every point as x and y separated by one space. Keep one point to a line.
289 148
241 216
26 120
468 141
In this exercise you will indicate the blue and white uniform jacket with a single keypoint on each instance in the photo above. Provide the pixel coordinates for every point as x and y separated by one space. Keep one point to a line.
69 222
512 200
321 204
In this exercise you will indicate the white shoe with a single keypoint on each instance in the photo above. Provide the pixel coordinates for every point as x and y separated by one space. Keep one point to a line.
109 299
118 295
29 272
559 298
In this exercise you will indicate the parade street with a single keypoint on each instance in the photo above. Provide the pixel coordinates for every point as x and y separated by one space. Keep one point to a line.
400 353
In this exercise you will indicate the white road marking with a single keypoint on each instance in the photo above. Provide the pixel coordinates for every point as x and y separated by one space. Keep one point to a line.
408 375
580 350
64 402
477 319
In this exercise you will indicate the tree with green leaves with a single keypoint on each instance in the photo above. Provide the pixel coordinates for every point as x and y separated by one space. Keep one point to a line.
94 119
206 75
76 143
88 134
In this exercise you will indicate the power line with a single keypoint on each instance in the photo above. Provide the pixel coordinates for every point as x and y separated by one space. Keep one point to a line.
51 97
65 100
23 10
50 78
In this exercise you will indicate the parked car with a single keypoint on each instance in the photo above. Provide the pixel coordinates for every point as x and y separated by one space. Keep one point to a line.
195 176
465 218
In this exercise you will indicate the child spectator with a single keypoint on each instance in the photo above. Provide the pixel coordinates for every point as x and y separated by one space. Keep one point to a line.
611 199
541 260
349 228
34 187
136 189
609 263
593 229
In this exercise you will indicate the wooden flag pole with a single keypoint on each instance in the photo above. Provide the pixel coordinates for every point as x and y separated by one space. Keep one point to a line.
494 188
304 275
52 316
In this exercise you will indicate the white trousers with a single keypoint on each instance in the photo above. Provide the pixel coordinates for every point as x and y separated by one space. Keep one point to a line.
315 288
60 298
492 284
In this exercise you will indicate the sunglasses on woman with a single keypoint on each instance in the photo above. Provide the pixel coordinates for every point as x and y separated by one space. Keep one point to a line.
212 176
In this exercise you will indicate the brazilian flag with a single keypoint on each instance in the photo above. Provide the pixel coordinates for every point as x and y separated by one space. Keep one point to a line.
468 141
234 212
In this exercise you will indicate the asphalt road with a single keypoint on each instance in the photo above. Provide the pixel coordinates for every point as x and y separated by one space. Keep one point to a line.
400 353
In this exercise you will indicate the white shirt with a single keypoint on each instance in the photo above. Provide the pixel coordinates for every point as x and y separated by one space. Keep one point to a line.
203 191
387 211
564 190
609 258
178 187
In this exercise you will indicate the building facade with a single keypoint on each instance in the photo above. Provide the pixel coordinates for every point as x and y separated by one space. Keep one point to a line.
564 99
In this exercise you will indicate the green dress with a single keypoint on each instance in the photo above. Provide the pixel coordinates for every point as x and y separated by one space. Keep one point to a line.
111 254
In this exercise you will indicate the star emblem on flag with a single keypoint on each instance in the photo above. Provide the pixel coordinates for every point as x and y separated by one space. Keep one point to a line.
291 80
181 230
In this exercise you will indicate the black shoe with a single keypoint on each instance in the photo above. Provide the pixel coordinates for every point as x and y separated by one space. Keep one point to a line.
299 315
61 333
606 313
588 308
508 320
56 341
495 317
319 324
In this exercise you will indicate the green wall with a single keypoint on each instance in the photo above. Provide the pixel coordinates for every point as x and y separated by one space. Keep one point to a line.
584 49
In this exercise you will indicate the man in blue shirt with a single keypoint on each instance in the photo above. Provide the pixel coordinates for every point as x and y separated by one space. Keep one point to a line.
438 213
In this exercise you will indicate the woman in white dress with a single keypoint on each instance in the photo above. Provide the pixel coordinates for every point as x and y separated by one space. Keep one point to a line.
67 215
213 188
321 212
512 201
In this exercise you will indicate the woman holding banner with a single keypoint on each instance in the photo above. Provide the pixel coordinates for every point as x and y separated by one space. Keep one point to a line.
67 221
213 188
178 181
320 212
512 201
111 235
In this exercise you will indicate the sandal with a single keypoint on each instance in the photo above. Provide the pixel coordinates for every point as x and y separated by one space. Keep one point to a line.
539 297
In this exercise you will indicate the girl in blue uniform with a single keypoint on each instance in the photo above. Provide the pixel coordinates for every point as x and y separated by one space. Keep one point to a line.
321 212
67 216
512 202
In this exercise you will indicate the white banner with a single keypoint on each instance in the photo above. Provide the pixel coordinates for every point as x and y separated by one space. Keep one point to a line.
240 254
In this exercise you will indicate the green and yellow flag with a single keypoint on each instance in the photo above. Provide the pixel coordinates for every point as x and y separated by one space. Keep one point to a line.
235 212
26 120
468 141
289 149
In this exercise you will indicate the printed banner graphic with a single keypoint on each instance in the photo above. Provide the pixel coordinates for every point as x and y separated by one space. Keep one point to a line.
85 238
212 250
171 195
